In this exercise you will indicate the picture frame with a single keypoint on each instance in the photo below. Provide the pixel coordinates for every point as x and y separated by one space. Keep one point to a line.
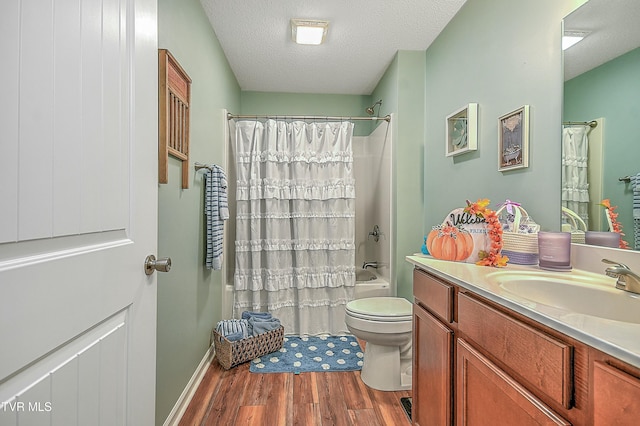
513 142
462 130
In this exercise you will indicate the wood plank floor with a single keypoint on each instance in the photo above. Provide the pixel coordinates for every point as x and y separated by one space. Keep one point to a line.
239 397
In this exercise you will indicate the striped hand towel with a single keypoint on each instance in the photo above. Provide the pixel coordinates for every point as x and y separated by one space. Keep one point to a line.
216 211
232 327
635 184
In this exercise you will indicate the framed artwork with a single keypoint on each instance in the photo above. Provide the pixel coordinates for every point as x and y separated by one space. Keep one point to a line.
513 144
462 131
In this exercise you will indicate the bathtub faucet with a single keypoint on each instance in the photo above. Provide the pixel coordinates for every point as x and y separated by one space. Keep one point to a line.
365 265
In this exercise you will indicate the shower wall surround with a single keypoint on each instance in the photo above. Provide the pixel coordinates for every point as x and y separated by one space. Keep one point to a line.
372 164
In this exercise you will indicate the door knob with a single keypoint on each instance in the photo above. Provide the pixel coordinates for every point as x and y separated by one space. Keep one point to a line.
160 265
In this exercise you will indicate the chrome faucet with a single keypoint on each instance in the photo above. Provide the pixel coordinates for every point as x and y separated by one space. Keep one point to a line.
627 279
376 234
365 265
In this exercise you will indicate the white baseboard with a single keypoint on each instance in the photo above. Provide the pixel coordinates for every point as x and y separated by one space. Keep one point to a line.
187 394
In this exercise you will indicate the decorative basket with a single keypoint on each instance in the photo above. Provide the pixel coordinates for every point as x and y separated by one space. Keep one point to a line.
520 248
230 353
576 225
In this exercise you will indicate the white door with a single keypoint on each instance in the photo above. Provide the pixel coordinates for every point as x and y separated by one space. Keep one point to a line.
78 211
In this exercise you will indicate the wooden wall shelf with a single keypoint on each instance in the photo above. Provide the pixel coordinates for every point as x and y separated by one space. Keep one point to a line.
174 99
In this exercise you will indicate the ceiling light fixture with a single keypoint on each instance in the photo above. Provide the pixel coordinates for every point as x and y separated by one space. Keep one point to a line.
572 37
308 31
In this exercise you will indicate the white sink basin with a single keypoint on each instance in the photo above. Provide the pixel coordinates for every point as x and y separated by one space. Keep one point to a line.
568 294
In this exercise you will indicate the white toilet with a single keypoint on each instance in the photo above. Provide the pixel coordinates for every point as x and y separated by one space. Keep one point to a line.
385 323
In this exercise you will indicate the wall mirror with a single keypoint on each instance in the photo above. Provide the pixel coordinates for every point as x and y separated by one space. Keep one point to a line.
601 142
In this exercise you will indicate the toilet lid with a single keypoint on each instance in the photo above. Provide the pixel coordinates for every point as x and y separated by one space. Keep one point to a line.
381 309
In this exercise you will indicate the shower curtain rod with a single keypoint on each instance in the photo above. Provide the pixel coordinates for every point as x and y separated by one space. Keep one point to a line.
592 123
386 118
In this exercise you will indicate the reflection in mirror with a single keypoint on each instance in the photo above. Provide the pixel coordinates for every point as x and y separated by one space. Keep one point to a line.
601 153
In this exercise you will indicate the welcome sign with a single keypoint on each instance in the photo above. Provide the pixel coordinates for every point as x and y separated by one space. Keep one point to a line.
474 226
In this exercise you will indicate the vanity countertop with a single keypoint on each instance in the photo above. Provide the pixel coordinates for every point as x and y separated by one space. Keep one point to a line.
616 338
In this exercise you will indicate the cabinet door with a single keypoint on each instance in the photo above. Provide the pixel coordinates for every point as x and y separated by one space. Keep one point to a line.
541 362
486 395
432 370
616 396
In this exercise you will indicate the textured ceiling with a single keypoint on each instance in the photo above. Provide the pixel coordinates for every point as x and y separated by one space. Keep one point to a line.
363 37
614 30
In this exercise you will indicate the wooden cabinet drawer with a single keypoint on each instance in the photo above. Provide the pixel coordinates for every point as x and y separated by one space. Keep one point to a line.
433 294
542 362
486 395
616 396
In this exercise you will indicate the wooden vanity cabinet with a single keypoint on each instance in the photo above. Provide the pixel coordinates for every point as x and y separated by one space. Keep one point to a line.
477 362
432 370
432 361
616 393
465 354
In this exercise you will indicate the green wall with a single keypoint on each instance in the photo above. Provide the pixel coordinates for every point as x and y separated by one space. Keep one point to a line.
270 103
189 295
402 89
502 54
612 91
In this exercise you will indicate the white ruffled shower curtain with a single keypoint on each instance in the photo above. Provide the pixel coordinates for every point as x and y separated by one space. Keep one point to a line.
295 223
575 185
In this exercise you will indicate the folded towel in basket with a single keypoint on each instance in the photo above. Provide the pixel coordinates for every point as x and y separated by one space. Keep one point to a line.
234 336
264 315
233 327
262 325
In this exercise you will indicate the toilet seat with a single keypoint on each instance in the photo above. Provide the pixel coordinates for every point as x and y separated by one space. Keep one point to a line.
383 309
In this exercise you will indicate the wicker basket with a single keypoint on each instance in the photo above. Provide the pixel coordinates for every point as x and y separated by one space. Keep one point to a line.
520 248
230 353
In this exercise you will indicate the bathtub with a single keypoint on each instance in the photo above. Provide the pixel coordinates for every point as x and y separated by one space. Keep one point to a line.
370 284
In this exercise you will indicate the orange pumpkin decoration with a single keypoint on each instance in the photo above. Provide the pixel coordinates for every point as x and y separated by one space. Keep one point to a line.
448 242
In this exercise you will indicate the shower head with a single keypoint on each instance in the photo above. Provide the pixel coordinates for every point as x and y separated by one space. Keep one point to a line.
371 110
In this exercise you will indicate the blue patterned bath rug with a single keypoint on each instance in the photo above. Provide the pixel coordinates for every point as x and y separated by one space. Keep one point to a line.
304 354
